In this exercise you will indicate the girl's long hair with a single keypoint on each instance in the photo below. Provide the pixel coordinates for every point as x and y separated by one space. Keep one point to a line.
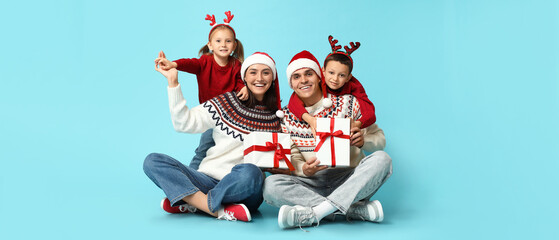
238 53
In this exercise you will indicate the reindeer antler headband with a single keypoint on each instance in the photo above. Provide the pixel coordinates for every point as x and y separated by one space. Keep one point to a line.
348 50
226 22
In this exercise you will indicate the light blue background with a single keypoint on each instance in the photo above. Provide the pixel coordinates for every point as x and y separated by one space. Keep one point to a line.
467 93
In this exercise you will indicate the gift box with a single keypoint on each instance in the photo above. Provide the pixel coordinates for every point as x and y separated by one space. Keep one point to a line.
332 141
268 150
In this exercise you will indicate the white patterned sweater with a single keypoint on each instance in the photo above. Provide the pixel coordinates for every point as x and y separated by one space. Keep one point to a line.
344 106
230 121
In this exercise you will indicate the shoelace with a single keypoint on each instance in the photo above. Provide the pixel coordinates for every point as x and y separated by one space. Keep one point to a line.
358 212
228 215
305 218
186 207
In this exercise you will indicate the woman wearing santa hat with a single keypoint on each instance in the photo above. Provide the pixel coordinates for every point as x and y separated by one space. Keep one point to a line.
223 186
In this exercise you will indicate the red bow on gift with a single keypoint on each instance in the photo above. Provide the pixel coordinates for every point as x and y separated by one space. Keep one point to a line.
279 153
331 134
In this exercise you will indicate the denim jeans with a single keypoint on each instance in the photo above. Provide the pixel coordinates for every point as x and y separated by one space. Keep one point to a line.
339 186
242 185
206 142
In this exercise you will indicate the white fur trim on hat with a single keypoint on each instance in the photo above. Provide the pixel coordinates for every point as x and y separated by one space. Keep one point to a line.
301 63
326 102
256 59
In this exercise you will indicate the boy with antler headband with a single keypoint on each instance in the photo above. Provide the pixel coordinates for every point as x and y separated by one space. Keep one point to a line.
339 81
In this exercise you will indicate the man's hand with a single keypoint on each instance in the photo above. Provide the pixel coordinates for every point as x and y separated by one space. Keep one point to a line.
311 167
356 137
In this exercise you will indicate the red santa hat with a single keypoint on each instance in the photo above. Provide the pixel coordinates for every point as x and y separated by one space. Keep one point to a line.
305 59
264 58
226 22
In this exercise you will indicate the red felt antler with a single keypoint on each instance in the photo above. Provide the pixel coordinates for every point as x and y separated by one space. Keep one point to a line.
211 19
354 46
229 17
333 43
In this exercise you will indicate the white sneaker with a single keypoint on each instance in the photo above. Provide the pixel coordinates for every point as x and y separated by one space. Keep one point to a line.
366 211
296 216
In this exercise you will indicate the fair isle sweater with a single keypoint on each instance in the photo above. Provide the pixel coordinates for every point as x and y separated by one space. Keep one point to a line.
343 106
230 120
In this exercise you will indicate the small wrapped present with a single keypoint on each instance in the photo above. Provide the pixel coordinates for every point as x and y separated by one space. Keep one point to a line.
268 150
332 141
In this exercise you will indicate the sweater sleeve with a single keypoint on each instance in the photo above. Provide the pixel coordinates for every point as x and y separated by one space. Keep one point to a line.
296 106
374 139
297 160
194 120
368 116
189 65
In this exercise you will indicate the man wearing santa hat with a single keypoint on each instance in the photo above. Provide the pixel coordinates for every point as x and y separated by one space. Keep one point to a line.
314 191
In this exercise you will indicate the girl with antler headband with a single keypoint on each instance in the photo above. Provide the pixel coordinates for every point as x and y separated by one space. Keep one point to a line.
217 71
339 81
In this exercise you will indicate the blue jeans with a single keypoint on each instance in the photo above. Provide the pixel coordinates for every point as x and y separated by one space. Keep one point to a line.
242 185
206 142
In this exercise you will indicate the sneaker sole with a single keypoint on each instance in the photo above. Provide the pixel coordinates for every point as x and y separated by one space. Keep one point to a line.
380 211
247 212
280 213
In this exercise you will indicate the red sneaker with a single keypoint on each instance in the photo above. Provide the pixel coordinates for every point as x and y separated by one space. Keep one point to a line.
185 208
234 212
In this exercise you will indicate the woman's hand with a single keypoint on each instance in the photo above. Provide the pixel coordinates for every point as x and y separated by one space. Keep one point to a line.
243 94
311 167
356 137
163 62
172 74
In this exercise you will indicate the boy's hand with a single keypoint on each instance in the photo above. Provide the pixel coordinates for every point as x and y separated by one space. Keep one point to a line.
311 167
356 137
357 124
243 94
311 121
162 62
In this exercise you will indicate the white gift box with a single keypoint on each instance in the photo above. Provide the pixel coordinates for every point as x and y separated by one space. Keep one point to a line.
332 141
264 149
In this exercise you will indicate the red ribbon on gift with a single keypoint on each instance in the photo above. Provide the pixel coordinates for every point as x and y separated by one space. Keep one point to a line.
332 135
279 153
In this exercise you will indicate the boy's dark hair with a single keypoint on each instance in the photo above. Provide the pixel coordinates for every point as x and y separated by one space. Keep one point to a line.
341 58
238 53
269 100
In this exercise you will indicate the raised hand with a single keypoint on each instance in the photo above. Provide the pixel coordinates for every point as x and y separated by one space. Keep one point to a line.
162 62
171 74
